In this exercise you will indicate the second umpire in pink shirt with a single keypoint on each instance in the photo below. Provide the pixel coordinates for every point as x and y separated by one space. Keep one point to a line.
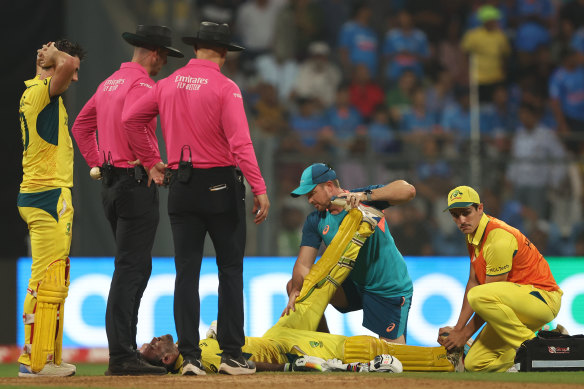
207 139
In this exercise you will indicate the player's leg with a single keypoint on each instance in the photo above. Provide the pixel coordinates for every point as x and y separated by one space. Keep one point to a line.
489 352
386 316
513 312
364 348
49 216
328 273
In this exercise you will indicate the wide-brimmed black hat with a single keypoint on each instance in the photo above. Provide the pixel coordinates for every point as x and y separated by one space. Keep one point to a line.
214 34
152 37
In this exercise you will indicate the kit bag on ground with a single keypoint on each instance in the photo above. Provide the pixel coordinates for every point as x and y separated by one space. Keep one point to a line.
551 351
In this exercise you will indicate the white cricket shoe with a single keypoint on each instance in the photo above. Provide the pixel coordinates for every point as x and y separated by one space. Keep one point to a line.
50 370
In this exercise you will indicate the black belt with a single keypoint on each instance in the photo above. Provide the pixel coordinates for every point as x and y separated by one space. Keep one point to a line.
130 171
171 174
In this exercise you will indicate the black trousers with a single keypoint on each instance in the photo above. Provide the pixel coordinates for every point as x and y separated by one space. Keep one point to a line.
212 201
132 210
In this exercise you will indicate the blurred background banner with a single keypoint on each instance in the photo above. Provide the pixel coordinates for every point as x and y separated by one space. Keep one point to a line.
439 284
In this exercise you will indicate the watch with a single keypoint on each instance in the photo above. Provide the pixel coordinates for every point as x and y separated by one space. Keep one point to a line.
368 193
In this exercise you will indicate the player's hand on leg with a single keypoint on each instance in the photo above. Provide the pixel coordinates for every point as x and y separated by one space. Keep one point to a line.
291 303
443 334
454 338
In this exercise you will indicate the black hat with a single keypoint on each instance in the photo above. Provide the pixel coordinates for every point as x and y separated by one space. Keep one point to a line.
152 37
215 34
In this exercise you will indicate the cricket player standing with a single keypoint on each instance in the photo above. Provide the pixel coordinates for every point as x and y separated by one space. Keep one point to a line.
44 203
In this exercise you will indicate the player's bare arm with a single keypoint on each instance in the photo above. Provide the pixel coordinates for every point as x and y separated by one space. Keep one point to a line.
65 68
396 192
461 332
306 257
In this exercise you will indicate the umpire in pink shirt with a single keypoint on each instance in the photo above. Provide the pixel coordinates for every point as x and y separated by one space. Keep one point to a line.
130 202
207 141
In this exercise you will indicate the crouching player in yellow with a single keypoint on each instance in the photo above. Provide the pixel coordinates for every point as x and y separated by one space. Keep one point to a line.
44 203
510 287
293 344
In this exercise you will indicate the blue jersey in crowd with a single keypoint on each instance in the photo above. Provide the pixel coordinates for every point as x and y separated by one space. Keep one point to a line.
397 42
361 41
577 42
344 122
568 87
380 268
411 121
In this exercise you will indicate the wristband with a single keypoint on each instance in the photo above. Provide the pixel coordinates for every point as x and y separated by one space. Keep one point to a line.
368 192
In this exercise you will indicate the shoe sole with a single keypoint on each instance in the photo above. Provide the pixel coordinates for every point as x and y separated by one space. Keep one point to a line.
226 369
33 375
196 371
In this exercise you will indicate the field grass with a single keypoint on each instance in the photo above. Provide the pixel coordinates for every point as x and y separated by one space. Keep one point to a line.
85 369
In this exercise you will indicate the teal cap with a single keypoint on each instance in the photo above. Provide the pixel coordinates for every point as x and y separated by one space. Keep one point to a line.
313 175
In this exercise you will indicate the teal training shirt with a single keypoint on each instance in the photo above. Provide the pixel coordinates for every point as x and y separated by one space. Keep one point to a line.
380 268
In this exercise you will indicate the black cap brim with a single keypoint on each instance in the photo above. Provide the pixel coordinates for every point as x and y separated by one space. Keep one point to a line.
191 41
140 41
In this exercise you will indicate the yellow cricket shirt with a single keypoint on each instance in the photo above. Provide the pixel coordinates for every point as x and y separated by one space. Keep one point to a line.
47 159
497 250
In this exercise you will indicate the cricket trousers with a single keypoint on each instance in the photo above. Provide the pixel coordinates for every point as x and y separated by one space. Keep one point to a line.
131 208
200 202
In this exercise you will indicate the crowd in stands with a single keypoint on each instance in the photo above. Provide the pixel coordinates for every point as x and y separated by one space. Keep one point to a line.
385 89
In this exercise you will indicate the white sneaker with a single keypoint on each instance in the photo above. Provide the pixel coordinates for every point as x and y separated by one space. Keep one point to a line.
193 367
50 370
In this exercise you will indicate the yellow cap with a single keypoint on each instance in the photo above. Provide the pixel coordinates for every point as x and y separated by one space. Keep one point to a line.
462 197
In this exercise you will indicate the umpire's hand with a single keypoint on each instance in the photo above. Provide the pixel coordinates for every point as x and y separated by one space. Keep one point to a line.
261 205
156 174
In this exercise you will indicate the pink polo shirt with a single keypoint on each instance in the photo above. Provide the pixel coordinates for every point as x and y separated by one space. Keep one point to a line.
103 112
203 109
